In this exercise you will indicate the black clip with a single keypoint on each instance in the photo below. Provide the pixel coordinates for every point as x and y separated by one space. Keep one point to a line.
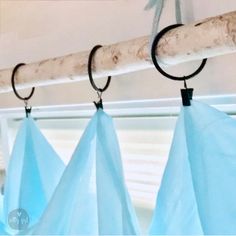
98 104
27 108
99 90
28 111
25 99
187 95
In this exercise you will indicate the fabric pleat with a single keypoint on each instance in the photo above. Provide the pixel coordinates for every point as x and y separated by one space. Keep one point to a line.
91 198
33 173
197 193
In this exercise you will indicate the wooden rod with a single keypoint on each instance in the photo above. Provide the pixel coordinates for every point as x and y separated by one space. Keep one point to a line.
203 39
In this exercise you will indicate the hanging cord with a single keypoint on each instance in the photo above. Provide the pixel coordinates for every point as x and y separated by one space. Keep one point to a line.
159 4
25 99
98 104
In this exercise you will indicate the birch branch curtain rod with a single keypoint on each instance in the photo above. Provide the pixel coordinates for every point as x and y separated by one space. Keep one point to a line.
203 39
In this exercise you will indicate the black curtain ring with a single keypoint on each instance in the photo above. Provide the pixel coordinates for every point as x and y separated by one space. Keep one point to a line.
154 58
13 84
90 71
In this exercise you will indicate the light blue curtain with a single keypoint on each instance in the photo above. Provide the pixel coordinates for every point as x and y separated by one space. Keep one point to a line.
197 193
91 198
34 171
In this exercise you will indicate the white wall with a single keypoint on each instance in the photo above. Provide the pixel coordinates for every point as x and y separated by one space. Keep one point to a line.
35 30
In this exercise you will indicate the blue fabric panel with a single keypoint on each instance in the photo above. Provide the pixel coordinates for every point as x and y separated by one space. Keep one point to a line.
197 193
34 171
91 198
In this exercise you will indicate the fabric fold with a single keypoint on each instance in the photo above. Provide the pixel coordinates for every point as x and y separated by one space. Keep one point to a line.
91 198
33 172
197 194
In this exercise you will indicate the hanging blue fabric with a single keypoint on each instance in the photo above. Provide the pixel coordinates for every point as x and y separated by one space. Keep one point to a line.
91 198
197 193
33 172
